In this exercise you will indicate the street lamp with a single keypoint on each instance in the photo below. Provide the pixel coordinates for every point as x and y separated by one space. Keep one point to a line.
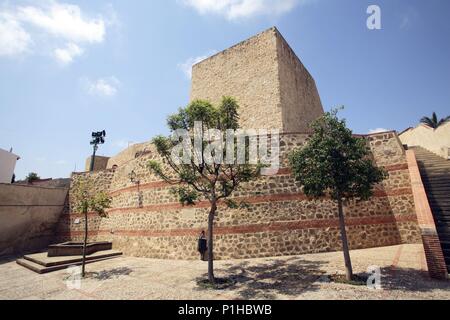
97 138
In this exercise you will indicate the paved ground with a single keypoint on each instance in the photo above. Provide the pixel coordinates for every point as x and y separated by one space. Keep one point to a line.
403 270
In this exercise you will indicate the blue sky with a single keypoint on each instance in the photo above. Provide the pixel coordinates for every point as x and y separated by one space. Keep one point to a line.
70 68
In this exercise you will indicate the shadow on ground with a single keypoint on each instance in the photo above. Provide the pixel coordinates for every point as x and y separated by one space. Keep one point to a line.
413 280
8 259
289 278
275 277
110 274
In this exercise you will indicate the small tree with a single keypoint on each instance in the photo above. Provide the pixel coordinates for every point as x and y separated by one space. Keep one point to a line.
31 177
199 179
336 163
434 121
84 199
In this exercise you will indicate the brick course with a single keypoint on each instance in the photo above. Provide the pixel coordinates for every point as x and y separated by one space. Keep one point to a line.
146 219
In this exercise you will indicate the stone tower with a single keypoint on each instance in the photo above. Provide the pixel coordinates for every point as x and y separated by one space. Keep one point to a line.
268 80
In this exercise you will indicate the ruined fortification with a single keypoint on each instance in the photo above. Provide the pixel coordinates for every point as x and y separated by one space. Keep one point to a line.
274 90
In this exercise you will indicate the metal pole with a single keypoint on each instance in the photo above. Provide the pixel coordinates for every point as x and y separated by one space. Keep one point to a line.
93 158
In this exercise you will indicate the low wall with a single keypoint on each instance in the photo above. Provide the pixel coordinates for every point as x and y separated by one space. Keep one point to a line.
433 251
28 217
147 220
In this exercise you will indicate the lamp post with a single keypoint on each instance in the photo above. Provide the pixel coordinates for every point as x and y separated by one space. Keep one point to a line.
97 138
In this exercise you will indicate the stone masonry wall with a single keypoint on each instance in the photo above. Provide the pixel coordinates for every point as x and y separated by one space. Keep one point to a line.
274 89
299 96
146 219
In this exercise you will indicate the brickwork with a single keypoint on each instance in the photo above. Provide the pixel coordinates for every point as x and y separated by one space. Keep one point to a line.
100 163
274 90
433 250
146 219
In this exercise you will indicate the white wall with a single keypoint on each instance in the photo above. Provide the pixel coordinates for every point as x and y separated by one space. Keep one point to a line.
434 140
28 216
7 165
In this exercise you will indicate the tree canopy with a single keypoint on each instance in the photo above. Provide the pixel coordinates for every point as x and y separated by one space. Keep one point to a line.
206 175
335 162
434 121
85 198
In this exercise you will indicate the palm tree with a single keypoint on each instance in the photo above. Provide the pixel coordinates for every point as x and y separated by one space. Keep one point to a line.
433 121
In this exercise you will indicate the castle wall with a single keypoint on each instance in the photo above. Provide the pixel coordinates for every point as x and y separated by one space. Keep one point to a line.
248 72
100 163
147 220
300 99
273 88
128 154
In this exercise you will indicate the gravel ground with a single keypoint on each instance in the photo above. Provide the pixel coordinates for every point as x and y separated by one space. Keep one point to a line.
403 276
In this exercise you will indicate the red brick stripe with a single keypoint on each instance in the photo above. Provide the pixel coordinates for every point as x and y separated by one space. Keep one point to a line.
282 171
146 186
249 200
396 167
255 228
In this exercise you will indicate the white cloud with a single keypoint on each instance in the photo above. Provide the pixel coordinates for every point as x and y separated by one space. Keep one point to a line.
235 9
186 66
56 29
378 130
65 21
104 87
67 54
14 40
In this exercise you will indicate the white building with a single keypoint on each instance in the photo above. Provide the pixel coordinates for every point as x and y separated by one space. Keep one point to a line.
434 140
7 165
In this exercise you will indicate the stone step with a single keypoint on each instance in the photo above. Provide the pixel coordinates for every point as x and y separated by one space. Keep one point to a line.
446 252
445 244
444 236
38 268
40 263
439 201
435 172
440 190
442 220
44 260
439 205
447 260
444 233
435 179
440 213
430 167
439 195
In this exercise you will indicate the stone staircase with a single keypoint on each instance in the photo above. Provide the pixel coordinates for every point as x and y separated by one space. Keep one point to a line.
435 172
42 263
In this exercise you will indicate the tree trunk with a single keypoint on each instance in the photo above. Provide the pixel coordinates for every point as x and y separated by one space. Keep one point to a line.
212 213
348 262
83 261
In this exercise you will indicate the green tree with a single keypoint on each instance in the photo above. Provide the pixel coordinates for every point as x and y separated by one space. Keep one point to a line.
32 176
84 199
338 164
212 181
434 122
